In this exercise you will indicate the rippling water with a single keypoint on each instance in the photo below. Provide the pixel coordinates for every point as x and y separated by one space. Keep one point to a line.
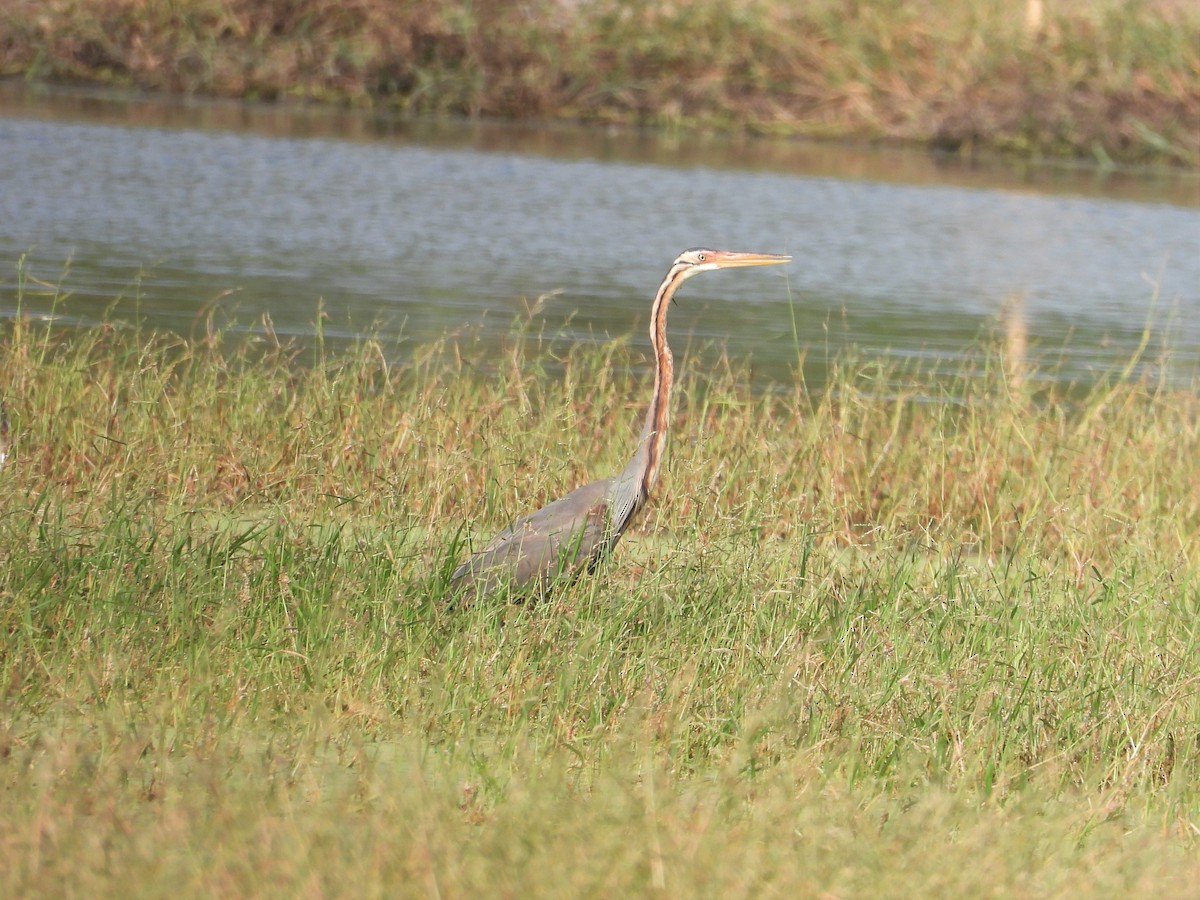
416 230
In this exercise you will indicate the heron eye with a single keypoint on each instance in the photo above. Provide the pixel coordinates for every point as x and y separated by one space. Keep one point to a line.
699 257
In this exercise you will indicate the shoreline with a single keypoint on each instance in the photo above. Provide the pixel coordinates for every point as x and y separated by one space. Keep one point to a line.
1108 83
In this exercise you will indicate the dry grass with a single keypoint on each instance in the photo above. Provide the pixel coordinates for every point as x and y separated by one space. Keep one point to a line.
1105 79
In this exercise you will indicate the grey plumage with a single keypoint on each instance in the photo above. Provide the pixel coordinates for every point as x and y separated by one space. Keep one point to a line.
559 540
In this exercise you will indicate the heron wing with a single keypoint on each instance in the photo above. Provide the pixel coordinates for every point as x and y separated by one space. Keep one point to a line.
560 539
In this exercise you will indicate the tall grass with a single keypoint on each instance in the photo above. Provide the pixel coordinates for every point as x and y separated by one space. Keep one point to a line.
941 639
1102 79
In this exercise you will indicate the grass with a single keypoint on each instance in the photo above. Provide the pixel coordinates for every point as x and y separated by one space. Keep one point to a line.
1105 80
939 639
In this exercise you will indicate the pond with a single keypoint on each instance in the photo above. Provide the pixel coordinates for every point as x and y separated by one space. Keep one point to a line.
169 211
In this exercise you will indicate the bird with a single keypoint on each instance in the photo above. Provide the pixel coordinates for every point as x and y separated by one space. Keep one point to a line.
572 534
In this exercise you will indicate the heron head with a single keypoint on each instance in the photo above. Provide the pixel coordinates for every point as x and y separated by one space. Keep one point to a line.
702 260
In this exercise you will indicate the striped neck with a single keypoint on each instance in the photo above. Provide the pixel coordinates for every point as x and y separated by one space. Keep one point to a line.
658 416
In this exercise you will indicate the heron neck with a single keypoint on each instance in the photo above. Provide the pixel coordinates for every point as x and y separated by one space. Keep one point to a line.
658 417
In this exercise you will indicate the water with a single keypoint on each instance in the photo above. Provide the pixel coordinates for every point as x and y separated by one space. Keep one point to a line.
168 212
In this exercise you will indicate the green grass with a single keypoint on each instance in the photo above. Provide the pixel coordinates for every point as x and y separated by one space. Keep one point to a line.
934 639
1104 80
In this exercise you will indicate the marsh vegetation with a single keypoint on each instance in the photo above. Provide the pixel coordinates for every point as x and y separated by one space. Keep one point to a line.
919 632
1107 80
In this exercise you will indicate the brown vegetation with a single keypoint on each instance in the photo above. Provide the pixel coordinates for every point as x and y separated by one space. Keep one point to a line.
1096 78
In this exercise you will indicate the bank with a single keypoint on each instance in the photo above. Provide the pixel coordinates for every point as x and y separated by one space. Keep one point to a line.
1104 80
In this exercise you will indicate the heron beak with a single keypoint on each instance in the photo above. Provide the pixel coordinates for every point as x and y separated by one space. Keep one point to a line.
729 259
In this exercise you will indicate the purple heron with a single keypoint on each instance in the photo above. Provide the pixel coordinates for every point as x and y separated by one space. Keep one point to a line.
573 533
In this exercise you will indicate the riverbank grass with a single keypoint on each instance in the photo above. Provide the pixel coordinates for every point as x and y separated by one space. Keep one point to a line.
908 636
1102 80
